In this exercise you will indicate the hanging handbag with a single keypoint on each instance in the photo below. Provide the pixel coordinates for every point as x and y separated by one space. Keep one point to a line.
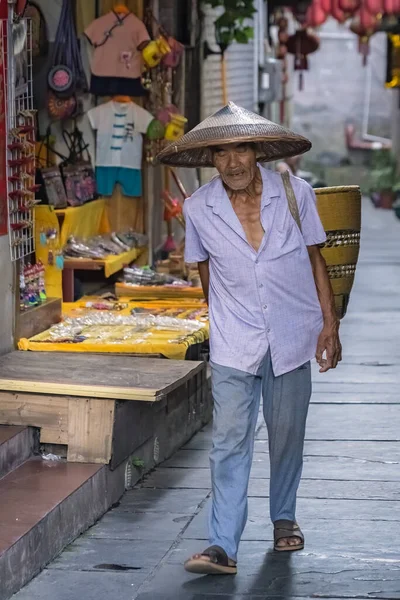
77 171
49 177
66 73
60 109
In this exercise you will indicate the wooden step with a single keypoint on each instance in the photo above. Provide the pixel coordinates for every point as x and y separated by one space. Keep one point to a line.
45 505
17 444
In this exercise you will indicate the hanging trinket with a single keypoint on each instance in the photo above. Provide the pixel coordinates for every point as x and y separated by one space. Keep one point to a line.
301 44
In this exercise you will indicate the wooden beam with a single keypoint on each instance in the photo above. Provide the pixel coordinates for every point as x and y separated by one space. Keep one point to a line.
90 427
47 412
68 389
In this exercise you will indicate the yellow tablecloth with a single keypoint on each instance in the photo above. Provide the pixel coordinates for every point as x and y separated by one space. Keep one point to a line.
142 292
113 264
160 342
84 221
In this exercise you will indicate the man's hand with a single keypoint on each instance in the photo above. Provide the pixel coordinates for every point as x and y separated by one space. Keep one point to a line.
329 343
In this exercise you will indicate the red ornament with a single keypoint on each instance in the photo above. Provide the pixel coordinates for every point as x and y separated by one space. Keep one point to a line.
349 7
315 15
374 7
326 6
301 44
364 25
337 13
391 7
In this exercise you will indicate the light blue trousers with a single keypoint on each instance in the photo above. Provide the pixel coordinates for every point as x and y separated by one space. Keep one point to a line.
236 404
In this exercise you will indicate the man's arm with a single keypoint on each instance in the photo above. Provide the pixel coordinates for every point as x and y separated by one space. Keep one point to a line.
329 338
204 273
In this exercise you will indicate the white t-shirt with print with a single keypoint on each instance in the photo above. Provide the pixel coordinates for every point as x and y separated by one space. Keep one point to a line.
119 126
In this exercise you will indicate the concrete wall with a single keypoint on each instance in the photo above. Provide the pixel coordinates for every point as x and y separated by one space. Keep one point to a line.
6 297
335 90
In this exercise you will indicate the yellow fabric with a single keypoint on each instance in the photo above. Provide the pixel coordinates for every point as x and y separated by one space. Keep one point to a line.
84 221
169 344
157 292
45 219
113 264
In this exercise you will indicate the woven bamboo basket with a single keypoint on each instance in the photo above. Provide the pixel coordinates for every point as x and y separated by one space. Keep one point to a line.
340 211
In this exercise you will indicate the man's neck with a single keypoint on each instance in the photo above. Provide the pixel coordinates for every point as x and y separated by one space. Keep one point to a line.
250 194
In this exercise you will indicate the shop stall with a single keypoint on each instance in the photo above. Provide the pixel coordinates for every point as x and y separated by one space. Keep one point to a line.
89 111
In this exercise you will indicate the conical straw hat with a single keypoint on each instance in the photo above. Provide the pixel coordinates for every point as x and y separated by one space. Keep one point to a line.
232 124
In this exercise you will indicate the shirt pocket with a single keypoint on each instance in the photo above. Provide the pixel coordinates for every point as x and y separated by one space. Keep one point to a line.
285 242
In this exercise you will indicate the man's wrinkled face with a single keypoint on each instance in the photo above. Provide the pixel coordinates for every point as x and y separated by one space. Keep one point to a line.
236 163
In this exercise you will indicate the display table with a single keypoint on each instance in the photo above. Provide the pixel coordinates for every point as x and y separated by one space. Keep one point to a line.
110 265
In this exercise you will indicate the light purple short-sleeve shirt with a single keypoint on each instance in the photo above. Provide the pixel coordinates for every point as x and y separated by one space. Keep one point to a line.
258 300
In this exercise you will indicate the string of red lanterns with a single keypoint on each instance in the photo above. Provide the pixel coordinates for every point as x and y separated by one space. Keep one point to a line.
365 16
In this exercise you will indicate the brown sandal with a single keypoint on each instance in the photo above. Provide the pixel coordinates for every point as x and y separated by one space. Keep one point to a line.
217 565
287 529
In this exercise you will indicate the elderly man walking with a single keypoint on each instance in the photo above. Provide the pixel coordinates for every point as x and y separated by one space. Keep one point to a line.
255 235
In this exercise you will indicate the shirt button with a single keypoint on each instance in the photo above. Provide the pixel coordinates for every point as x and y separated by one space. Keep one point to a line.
256 261
261 285
265 308
268 331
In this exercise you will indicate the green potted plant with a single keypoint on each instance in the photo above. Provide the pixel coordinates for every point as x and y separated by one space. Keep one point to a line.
384 179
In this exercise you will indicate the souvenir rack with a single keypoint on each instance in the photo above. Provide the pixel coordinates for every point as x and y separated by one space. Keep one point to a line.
16 38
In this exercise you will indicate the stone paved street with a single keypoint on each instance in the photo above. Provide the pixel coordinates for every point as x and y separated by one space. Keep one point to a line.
349 500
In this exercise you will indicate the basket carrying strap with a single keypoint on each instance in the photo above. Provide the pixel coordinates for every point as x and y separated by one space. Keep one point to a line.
291 198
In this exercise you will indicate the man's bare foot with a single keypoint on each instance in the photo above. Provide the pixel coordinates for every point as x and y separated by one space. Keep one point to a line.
213 561
290 541
287 536
231 562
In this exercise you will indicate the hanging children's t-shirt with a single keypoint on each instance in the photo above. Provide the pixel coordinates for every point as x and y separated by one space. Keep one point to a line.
116 62
119 145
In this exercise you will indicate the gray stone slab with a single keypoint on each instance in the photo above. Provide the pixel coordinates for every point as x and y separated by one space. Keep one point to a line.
180 501
200 479
349 490
341 467
385 452
178 479
71 585
124 525
93 554
360 373
265 574
332 397
352 388
325 422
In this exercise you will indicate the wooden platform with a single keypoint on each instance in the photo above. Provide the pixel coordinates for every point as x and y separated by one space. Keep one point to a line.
95 375
73 398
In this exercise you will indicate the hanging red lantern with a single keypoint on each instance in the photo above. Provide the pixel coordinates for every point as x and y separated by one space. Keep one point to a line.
301 44
364 25
391 7
337 13
374 7
315 15
368 21
326 6
349 7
